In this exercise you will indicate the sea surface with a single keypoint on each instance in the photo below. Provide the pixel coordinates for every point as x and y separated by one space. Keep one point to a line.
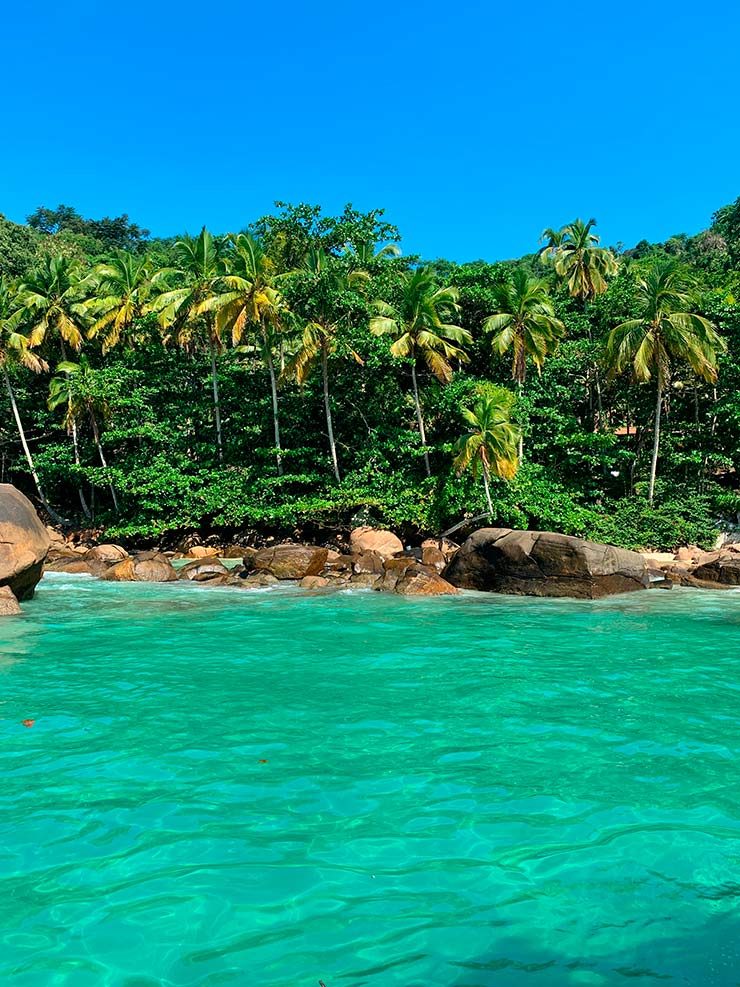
275 788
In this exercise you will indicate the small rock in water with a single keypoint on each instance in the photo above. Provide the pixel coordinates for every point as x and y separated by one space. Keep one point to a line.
28 723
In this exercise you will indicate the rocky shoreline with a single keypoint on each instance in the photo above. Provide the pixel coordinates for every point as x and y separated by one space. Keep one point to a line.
374 559
497 560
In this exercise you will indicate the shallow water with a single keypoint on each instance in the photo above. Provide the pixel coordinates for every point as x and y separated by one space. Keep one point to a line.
224 787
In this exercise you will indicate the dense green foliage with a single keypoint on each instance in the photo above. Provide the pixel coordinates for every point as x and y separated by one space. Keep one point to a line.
304 375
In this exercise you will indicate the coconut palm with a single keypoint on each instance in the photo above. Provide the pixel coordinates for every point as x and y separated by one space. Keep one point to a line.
490 444
580 261
665 330
188 308
419 327
552 240
122 288
326 312
525 323
78 389
52 296
248 299
15 350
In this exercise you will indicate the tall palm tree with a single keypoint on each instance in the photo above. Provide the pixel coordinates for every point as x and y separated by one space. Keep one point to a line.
122 288
490 444
580 261
665 330
247 299
584 266
326 312
420 329
188 308
77 388
53 296
525 323
15 349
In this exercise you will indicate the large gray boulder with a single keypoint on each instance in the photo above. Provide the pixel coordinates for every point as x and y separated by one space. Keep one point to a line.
544 563
24 542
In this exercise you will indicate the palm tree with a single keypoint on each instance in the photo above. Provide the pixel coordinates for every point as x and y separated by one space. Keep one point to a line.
248 298
553 240
584 266
123 287
525 323
15 349
77 387
189 307
419 330
327 311
665 330
580 261
53 298
490 444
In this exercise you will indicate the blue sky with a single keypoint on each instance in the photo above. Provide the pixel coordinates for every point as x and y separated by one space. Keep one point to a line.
474 124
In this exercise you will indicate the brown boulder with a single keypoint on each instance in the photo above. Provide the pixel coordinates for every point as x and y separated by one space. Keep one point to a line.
142 570
393 572
8 603
231 552
369 579
256 580
201 552
369 562
313 582
420 580
724 570
443 545
24 543
366 539
545 563
291 561
431 555
203 570
106 553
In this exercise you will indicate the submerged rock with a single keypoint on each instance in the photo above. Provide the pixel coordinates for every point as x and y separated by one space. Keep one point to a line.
24 543
202 571
314 582
8 604
545 563
421 580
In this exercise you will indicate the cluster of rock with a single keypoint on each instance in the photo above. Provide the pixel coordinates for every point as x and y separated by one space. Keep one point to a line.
691 566
375 559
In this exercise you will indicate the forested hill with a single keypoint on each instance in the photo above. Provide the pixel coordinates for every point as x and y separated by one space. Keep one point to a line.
305 374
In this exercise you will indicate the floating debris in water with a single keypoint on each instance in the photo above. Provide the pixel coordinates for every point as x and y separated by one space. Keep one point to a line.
28 723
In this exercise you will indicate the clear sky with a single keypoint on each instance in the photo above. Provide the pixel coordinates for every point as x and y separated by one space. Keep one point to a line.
474 124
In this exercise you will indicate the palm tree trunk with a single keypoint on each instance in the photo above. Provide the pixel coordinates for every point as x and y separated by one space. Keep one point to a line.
101 456
216 408
275 415
488 490
656 441
327 409
420 419
76 447
75 441
520 451
27 452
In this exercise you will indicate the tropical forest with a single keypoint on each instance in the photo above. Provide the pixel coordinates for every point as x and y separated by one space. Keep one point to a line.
303 373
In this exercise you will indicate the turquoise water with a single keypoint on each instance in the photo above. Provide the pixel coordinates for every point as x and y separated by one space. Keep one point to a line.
269 789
